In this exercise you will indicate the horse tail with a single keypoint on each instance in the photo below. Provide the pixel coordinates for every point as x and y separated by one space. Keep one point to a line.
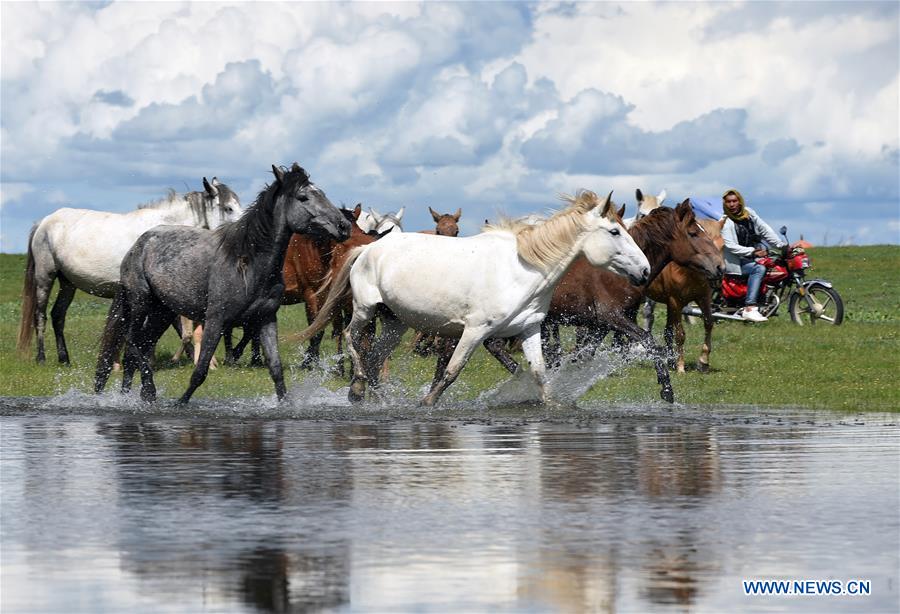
112 339
29 300
337 292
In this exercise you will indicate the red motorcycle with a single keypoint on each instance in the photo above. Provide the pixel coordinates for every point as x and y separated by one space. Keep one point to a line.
808 300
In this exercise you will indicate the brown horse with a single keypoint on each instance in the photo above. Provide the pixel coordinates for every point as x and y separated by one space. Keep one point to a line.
676 286
308 267
599 301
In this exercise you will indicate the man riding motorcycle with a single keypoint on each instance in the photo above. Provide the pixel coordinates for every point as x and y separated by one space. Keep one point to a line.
743 234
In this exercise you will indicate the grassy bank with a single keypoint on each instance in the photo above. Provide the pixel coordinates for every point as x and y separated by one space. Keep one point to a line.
848 367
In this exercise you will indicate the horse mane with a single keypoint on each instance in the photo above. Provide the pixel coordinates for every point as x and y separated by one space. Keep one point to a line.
195 200
653 232
253 232
544 244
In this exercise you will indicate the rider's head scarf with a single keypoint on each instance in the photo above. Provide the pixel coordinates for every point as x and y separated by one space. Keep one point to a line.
742 212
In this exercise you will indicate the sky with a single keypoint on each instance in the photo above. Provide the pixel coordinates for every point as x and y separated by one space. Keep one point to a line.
494 108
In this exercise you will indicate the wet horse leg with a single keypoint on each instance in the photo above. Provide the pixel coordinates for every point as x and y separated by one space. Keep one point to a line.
155 325
635 332
58 315
531 346
268 337
392 329
211 335
705 305
353 338
470 339
674 334
497 349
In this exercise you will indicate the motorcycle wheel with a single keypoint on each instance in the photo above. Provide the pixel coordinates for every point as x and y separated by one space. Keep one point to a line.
827 308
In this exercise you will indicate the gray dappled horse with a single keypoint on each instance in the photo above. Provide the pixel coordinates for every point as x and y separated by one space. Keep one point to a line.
231 277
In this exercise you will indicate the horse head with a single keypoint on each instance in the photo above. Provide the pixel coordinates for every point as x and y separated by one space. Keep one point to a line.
307 209
447 224
607 243
388 221
694 247
219 204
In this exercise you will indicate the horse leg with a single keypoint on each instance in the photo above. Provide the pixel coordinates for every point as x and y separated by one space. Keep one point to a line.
497 349
674 334
44 285
444 352
648 309
531 346
211 335
228 339
353 337
156 324
311 356
392 329
268 337
196 340
635 332
182 326
550 343
256 359
705 305
138 312
58 315
337 325
470 339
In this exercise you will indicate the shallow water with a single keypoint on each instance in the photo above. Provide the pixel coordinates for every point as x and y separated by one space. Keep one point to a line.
244 506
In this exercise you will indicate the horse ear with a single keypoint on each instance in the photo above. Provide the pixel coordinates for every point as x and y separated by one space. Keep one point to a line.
434 215
357 211
661 197
375 215
605 206
622 211
684 212
722 222
210 189
279 174
400 213
458 214
216 182
638 195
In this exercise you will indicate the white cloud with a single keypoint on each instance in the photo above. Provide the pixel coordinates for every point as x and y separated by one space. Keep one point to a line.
481 105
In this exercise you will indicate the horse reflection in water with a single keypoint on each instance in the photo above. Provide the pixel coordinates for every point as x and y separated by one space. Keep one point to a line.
464 296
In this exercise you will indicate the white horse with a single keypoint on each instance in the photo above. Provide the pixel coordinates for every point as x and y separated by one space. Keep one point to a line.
646 204
373 222
83 249
495 284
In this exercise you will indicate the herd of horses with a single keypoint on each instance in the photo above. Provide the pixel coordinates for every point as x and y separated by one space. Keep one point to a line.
200 258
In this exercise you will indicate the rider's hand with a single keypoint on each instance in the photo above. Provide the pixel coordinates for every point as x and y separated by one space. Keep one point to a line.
760 253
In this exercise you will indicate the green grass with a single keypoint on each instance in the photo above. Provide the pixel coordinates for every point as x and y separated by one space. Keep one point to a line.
777 364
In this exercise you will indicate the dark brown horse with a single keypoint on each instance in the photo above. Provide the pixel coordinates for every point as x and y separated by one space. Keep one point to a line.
599 301
676 286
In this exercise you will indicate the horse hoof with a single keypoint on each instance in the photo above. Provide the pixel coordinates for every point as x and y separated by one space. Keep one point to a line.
667 394
148 397
357 392
702 367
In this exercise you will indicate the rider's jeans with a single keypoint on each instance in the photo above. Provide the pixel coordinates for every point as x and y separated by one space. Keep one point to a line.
755 273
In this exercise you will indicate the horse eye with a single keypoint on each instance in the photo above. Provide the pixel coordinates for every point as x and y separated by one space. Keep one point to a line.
694 234
303 198
614 232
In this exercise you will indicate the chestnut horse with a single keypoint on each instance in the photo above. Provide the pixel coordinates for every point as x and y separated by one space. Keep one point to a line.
308 268
676 286
598 302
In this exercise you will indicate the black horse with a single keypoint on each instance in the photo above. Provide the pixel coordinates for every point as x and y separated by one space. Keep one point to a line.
230 277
